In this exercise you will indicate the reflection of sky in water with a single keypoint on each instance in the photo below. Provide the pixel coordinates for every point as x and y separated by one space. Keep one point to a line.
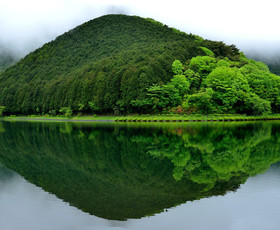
255 205
23 206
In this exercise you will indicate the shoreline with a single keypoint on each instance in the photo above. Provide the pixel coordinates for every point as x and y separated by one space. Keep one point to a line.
53 119
146 118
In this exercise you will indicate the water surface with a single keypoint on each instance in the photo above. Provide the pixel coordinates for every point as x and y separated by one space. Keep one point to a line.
153 176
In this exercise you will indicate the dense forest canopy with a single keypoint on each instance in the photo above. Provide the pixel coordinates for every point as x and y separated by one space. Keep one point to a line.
206 85
111 64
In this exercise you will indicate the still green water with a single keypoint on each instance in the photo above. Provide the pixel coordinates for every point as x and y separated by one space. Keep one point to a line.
139 176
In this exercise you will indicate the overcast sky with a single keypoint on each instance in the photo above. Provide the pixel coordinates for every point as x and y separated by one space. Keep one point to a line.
250 24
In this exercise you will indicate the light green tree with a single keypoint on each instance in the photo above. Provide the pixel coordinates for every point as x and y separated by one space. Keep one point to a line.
165 96
263 83
66 111
181 83
203 65
229 87
177 67
256 105
201 101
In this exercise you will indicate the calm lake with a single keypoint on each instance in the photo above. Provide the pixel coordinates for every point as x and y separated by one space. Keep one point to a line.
108 176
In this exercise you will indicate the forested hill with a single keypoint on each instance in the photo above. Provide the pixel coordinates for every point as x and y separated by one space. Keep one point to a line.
102 64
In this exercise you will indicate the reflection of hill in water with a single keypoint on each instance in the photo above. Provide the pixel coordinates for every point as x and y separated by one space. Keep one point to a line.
5 175
119 172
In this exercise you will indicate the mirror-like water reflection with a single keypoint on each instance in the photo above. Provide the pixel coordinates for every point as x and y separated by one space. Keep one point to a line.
120 172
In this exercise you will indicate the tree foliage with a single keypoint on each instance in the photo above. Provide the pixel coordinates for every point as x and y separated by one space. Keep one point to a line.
220 85
66 111
201 102
229 86
177 67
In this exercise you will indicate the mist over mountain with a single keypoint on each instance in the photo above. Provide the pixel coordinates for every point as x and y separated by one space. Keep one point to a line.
7 58
272 62
268 53
27 26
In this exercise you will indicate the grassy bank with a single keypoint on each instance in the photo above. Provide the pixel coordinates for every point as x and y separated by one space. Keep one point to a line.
147 118
194 118
58 118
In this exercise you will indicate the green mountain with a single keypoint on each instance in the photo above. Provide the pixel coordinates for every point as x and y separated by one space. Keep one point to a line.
103 65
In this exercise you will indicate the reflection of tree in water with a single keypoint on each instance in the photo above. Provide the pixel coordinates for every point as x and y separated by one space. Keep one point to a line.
2 130
209 155
117 172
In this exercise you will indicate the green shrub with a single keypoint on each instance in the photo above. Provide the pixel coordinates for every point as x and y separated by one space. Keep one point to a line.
66 111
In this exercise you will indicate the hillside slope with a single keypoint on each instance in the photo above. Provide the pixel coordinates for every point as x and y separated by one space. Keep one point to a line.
6 59
272 60
105 63
274 67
